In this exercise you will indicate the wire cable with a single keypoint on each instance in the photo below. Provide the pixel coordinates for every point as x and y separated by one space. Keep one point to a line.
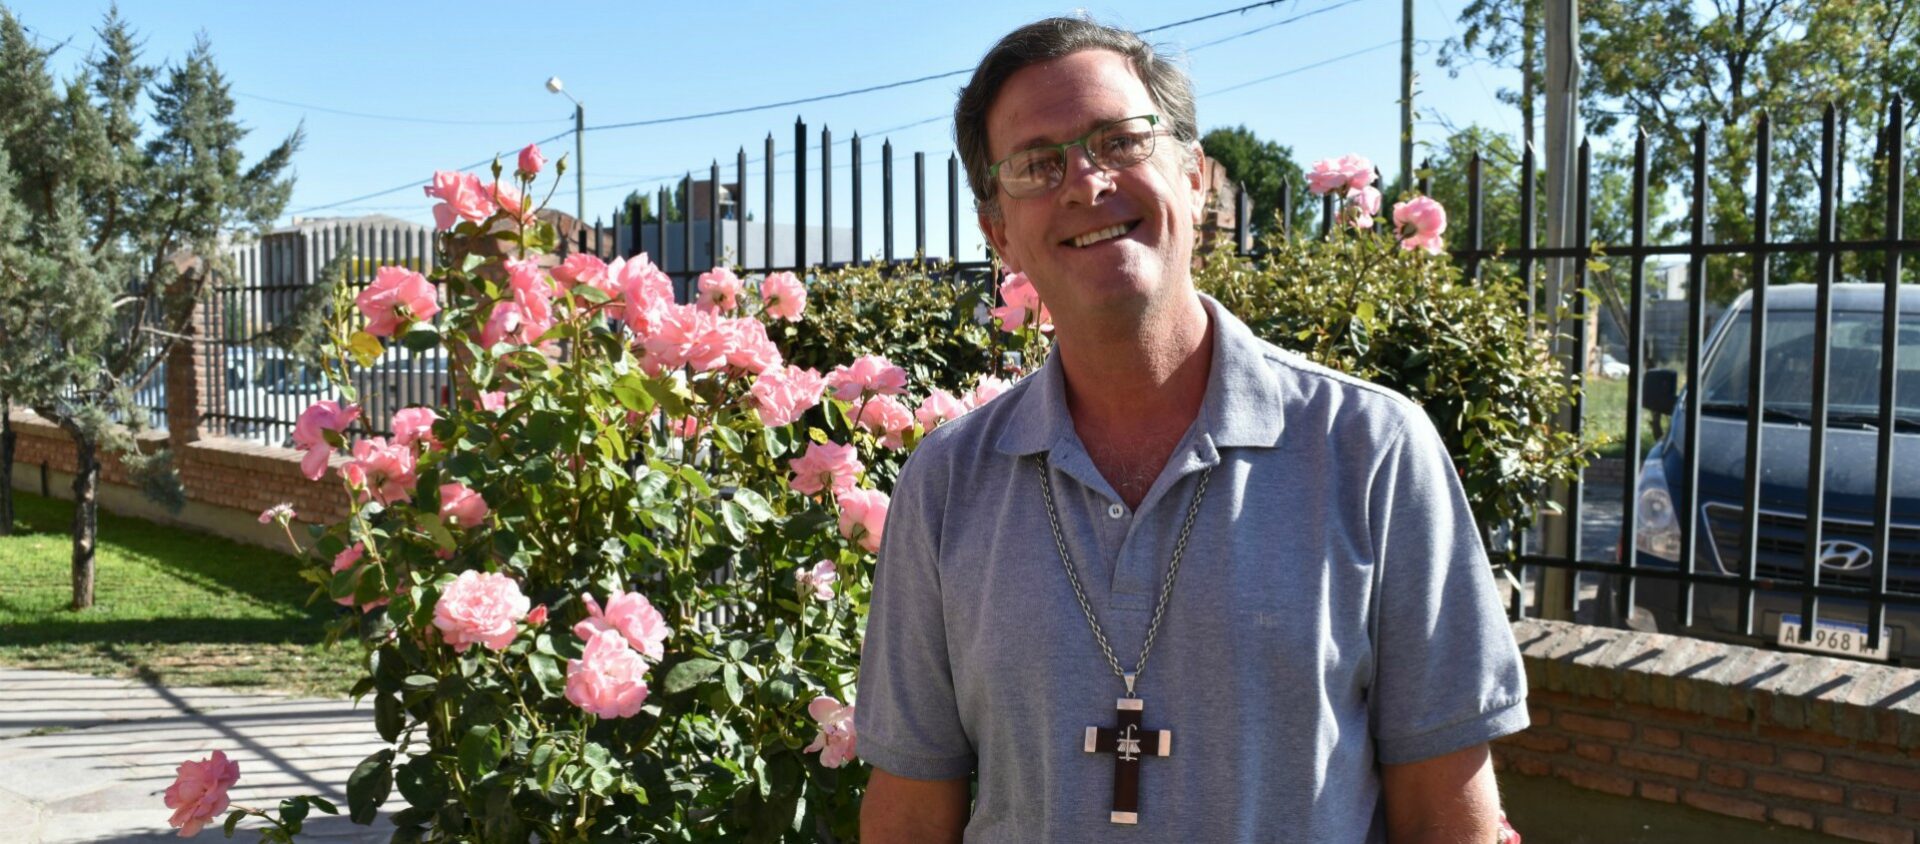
1306 67
415 182
399 119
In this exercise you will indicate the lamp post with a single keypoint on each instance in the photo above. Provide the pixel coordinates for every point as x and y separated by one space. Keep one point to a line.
579 168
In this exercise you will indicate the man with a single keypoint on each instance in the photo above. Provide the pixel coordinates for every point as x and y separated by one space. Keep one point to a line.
1172 531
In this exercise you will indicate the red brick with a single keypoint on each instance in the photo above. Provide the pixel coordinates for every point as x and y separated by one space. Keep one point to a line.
1539 715
1532 766
1738 807
1722 748
1802 760
1859 830
1659 736
1726 775
1792 817
1659 791
1784 735
1910 807
1595 780
1902 777
1602 727
1660 763
1543 742
1804 789
1593 750
1868 800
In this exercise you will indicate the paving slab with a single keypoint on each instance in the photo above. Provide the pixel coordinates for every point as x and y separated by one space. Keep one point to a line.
87 759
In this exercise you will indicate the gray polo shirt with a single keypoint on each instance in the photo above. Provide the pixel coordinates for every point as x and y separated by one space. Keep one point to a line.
1334 613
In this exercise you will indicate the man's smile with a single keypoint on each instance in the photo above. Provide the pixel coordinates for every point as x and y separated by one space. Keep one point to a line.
1101 235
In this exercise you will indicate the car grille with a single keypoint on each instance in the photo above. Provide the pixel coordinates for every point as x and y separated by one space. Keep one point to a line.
1782 541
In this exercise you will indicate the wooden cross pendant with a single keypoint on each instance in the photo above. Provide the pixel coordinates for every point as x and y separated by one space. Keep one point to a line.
1128 742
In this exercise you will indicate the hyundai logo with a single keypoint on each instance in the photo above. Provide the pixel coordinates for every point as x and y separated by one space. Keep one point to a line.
1842 555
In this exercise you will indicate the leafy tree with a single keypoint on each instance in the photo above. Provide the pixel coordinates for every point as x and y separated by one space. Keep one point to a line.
1670 66
123 235
1268 171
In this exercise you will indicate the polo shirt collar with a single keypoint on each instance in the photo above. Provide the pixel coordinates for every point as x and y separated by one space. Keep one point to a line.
1242 407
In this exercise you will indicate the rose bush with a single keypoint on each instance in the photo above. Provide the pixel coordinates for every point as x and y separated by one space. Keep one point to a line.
616 590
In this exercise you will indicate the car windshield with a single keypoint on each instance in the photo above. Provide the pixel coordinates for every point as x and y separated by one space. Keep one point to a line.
1853 366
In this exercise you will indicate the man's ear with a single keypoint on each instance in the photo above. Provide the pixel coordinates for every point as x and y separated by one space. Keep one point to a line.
994 228
1197 181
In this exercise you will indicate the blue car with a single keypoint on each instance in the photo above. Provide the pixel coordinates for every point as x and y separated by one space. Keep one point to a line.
1846 545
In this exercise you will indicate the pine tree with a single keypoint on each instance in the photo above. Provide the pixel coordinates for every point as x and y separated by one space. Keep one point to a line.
122 238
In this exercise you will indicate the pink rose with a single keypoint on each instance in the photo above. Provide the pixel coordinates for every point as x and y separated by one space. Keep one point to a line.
749 350
460 506
1358 169
836 740
531 161
397 297
885 417
784 296
495 401
584 268
415 424
985 390
632 616
282 512
1023 305
940 408
480 609
817 581
510 322
686 336
309 433
462 197
537 616
385 471
825 466
867 374
863 516
645 292
781 394
199 792
1326 176
509 199
609 678
719 290
1363 205
1427 220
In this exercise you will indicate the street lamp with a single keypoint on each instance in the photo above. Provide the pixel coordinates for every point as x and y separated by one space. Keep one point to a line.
579 168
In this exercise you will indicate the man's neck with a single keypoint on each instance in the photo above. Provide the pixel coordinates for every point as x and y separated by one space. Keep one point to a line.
1139 381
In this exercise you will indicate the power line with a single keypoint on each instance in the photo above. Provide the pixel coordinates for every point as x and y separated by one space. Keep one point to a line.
398 118
1218 41
1291 71
903 83
415 182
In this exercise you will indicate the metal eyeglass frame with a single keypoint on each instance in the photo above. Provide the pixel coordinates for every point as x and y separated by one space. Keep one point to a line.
1153 133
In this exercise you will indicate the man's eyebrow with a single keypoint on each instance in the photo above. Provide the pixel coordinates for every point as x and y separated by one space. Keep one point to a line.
1044 141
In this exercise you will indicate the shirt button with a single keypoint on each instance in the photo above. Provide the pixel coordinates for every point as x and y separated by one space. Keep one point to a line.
1116 511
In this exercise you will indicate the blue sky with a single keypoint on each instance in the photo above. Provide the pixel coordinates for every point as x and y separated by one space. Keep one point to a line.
486 62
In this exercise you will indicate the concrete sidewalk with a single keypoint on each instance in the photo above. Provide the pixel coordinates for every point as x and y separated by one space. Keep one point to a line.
86 759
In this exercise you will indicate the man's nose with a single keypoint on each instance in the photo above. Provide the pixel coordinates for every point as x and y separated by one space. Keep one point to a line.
1083 181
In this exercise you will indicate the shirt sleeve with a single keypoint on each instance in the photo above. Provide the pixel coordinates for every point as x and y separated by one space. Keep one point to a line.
1447 672
906 717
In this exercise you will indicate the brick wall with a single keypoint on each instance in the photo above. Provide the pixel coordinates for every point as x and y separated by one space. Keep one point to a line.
1791 739
228 481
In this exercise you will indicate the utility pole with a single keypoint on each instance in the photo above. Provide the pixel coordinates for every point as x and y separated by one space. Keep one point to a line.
1406 94
1560 532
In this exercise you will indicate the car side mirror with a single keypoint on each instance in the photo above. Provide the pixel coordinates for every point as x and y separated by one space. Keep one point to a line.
1660 391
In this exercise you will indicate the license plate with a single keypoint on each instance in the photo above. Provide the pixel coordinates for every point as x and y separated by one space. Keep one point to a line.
1840 638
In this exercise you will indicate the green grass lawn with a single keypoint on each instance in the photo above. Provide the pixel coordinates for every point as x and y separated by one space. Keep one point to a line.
1606 419
171 606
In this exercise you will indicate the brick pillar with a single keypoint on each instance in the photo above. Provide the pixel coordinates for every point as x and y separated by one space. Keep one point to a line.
196 372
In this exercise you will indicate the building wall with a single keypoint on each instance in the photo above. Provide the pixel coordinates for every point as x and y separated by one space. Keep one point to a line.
1791 739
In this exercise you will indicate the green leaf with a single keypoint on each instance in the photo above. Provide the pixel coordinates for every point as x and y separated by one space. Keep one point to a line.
685 675
729 439
631 391
292 811
546 670
368 786
388 717
233 820
731 678
480 751
672 395
421 337
322 803
591 294
420 682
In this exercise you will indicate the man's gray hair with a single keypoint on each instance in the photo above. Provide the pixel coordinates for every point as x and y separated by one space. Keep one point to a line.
1166 82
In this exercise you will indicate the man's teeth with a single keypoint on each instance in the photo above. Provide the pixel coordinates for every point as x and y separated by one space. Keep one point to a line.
1091 238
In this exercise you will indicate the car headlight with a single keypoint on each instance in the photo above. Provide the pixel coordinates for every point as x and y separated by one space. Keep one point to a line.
1657 527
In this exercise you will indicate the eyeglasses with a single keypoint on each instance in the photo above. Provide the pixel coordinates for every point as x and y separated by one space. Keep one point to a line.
1115 146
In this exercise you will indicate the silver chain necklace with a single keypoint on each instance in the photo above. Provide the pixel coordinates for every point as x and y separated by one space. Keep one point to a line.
1166 587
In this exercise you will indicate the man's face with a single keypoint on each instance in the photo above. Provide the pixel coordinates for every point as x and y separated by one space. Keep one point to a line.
1157 201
